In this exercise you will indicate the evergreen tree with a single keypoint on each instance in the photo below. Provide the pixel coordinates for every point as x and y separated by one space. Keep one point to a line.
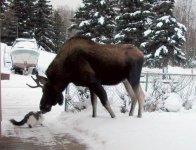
8 24
29 16
165 37
16 7
59 31
24 11
96 20
44 25
132 20
3 7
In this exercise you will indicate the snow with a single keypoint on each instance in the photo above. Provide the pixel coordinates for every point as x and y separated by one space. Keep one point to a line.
83 23
26 44
160 24
136 13
162 49
102 2
156 130
101 20
4 48
96 14
166 19
147 32
173 103
43 62
180 34
119 35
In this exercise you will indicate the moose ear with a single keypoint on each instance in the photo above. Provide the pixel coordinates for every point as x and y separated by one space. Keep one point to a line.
42 79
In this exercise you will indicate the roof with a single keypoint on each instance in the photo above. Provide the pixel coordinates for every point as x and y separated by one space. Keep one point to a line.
25 39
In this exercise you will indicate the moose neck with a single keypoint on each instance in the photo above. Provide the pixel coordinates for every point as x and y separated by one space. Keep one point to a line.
60 87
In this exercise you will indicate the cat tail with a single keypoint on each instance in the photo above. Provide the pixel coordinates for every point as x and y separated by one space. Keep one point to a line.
18 123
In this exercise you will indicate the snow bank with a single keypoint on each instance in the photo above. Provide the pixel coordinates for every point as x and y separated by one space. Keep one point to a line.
3 48
173 103
45 58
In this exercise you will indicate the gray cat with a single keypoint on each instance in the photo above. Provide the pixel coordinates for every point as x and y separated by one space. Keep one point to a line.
31 119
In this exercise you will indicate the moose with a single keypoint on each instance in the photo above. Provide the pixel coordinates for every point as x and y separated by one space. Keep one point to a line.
84 62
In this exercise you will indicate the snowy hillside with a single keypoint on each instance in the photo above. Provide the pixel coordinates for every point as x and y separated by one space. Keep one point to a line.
155 131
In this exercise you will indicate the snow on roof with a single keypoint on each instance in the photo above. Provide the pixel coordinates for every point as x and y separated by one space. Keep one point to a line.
25 39
25 44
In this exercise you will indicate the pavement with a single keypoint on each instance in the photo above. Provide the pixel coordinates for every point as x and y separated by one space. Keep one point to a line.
17 100
16 143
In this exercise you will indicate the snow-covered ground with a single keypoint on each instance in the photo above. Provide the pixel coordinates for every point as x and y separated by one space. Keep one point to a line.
156 130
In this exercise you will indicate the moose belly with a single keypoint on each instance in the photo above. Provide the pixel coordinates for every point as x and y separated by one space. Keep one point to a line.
111 76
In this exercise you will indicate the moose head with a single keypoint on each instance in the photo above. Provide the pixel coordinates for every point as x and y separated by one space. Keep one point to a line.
50 95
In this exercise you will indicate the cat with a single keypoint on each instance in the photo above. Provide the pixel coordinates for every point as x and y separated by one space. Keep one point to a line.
31 119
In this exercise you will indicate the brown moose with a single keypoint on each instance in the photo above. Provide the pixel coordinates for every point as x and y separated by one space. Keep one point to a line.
86 63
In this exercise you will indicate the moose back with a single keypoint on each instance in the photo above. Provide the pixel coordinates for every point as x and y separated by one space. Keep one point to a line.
86 63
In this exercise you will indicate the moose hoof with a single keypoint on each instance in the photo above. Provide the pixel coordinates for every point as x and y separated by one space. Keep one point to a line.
130 114
94 116
113 116
139 116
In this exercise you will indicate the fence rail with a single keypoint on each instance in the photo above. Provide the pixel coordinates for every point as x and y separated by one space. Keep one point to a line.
166 77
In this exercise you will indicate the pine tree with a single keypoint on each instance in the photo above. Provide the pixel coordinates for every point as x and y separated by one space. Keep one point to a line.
8 24
24 11
59 31
96 20
29 17
44 25
3 7
131 21
165 37
16 7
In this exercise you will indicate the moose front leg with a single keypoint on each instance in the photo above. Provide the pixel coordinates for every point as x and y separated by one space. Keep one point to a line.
94 103
98 89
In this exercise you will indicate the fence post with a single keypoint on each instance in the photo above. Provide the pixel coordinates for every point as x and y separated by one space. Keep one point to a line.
165 71
66 98
146 88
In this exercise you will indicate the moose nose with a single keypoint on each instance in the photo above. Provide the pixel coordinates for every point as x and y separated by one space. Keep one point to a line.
45 109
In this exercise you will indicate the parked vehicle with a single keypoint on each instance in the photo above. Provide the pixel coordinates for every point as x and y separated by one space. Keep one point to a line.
24 54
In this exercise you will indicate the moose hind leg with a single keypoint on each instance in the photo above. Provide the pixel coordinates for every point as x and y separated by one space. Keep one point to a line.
140 95
98 89
94 103
141 98
131 93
